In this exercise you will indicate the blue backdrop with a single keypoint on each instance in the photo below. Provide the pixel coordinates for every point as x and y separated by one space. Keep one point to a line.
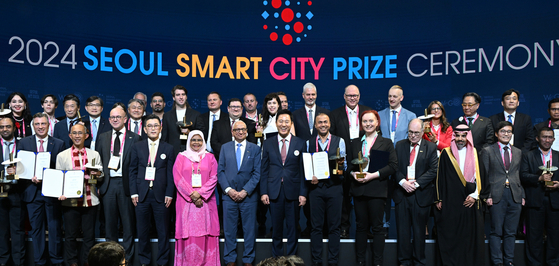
434 50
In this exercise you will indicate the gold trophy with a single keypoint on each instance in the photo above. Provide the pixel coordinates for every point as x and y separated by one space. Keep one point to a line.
11 162
336 157
258 134
424 118
547 169
4 111
183 125
4 185
92 178
79 116
360 161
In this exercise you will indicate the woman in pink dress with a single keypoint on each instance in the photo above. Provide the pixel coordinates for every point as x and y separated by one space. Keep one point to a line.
197 223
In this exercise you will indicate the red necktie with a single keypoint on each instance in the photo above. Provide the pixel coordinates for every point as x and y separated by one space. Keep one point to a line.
412 154
41 149
283 152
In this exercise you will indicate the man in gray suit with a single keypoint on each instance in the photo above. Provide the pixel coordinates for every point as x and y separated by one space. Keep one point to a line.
506 195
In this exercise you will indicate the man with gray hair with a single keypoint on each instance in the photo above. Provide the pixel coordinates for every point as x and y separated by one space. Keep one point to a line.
142 97
136 109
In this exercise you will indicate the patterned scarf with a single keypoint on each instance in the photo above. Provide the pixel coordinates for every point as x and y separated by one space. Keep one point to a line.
76 165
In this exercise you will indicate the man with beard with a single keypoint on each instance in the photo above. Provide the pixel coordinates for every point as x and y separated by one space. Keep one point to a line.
459 214
158 104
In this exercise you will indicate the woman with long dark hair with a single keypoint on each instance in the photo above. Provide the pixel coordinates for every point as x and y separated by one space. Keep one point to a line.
271 106
441 131
21 113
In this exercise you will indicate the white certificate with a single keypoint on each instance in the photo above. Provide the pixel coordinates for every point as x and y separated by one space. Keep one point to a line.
42 162
26 167
73 184
316 164
53 183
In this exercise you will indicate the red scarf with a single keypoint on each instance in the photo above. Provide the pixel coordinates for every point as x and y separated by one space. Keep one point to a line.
76 165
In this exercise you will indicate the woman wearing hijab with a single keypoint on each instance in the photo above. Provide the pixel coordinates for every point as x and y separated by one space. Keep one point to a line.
197 223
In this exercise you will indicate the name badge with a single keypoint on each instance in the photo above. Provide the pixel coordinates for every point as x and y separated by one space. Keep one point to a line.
150 173
411 173
353 132
113 163
196 180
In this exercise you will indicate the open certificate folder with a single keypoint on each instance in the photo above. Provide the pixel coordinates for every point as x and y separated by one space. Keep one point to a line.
68 183
33 164
316 164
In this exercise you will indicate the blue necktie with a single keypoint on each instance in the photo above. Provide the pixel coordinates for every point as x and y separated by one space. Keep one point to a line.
393 120
94 129
510 119
311 120
239 156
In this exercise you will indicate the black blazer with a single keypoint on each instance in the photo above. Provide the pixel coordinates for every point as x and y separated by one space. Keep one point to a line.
529 174
221 133
524 135
301 122
482 131
170 132
163 185
203 123
61 132
426 165
103 127
28 132
376 188
103 147
55 146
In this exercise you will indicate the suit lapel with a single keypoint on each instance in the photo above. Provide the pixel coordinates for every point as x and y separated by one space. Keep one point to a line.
497 154
246 155
50 145
345 121
127 144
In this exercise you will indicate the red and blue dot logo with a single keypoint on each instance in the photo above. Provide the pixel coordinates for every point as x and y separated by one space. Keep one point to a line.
287 21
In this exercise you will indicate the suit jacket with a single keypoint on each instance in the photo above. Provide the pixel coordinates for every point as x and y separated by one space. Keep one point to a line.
529 174
426 165
130 126
401 128
339 124
301 122
163 185
55 146
170 132
496 174
103 147
292 171
247 177
221 133
524 135
103 127
61 132
377 187
482 131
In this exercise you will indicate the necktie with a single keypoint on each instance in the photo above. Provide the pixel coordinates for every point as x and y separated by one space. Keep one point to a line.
507 158
238 154
470 122
136 127
393 120
152 153
94 129
283 151
41 149
116 148
311 120
7 151
510 118
412 154
213 119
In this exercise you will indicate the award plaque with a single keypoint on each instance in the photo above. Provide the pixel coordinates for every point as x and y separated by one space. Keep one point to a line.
360 161
184 125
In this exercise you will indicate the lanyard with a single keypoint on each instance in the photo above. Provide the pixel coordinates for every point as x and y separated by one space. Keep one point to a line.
397 118
473 121
52 122
543 157
139 128
356 116
13 147
365 149
21 126
192 167
121 144
327 147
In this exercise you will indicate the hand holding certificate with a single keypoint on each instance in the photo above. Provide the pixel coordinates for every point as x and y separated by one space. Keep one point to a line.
58 183
316 164
33 164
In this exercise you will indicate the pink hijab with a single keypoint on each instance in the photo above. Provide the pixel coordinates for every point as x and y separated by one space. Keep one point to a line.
469 163
195 156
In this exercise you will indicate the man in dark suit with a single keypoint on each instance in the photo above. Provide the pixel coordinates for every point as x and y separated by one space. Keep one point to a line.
553 121
136 110
480 126
282 183
97 123
152 189
414 193
205 121
524 135
239 173
71 105
250 103
115 147
542 200
11 211
501 163
221 132
345 124
170 132
325 195
39 206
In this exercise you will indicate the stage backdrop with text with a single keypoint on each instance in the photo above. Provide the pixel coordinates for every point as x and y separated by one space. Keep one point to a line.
434 50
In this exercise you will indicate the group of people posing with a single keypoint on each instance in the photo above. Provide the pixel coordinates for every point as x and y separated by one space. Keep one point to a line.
220 173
